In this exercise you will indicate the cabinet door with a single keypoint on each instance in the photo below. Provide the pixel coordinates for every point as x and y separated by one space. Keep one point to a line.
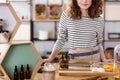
112 12
112 22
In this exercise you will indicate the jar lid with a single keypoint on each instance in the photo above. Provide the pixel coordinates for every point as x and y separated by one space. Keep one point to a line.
49 67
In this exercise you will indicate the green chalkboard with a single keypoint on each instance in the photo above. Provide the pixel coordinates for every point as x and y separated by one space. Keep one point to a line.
17 55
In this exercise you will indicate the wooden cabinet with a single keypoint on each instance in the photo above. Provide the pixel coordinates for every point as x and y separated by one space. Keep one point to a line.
112 22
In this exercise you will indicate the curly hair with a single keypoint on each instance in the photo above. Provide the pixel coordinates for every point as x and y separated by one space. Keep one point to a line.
94 11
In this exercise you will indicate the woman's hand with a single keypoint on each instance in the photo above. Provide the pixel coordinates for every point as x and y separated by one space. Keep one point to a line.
46 61
52 56
108 60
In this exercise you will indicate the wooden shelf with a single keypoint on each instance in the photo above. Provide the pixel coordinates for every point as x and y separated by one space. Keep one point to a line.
36 39
112 1
12 20
18 0
18 53
25 20
112 40
47 20
112 20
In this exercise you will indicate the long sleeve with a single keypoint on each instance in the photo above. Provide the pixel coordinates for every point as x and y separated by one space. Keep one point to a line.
100 33
62 33
80 33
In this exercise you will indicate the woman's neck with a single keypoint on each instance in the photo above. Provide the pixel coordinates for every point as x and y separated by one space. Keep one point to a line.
85 13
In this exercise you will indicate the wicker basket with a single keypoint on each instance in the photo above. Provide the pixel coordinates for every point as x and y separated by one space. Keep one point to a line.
40 11
55 11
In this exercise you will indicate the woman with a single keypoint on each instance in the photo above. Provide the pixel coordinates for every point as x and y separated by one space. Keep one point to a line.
82 27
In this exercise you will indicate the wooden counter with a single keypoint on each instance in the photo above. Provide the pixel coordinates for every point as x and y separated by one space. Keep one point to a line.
75 75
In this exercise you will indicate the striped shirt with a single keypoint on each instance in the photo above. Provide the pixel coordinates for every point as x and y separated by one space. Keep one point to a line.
80 33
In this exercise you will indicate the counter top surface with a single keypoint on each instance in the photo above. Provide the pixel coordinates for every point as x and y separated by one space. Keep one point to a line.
75 75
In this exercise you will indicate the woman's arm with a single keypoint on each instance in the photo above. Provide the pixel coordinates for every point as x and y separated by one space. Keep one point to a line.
100 41
102 54
61 39
52 56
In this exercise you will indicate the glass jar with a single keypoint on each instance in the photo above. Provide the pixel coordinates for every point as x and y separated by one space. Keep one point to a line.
48 72
117 62
48 75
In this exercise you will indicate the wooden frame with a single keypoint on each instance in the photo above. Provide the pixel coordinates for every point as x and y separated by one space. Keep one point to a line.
11 17
4 74
19 53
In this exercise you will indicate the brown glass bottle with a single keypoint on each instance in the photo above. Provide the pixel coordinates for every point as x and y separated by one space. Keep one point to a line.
66 61
28 74
1 25
22 72
62 62
16 73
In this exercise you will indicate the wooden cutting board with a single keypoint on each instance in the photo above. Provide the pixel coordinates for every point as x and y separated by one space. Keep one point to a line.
84 73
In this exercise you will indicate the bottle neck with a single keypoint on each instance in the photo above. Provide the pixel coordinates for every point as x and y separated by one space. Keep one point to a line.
28 72
28 67
1 25
15 69
1 30
22 67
